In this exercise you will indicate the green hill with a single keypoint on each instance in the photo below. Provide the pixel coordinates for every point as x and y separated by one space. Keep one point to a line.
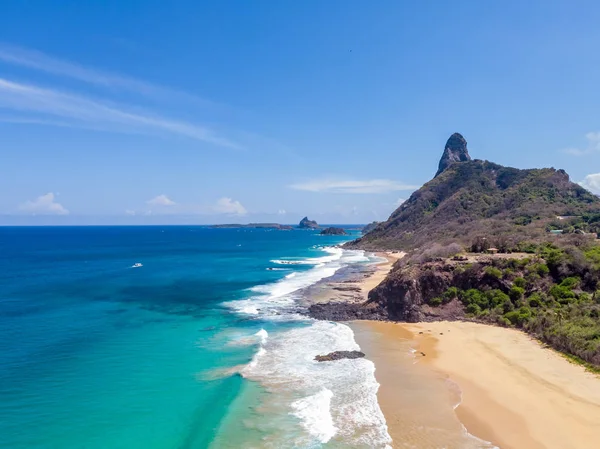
470 198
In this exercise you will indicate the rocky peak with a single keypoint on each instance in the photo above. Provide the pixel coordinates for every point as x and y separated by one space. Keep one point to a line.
455 151
305 223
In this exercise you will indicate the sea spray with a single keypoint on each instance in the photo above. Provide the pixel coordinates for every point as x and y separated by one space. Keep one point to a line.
315 414
285 366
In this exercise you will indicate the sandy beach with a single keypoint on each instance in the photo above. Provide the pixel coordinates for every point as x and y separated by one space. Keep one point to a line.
513 392
516 393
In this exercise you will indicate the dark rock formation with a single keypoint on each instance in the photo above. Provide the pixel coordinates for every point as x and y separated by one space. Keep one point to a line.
338 355
455 151
370 227
333 231
305 223
340 311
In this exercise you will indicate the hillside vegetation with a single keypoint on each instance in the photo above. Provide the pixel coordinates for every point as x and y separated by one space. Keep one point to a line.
534 279
474 197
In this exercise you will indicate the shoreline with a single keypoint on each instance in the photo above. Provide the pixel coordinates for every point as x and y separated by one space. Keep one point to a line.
514 392
482 384
352 288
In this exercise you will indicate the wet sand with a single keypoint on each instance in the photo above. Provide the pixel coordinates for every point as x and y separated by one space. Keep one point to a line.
515 392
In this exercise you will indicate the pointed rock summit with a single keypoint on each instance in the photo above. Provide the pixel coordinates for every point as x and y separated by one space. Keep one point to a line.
455 151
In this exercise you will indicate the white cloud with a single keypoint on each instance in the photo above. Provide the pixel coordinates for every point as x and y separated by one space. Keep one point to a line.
593 145
44 205
161 200
352 186
36 60
592 183
130 212
86 112
281 212
229 206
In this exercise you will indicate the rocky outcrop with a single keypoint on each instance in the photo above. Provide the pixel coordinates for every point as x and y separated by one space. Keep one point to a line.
341 311
305 223
370 227
333 231
418 291
455 151
338 355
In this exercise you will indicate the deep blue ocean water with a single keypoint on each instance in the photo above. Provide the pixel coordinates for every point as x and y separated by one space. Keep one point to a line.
97 354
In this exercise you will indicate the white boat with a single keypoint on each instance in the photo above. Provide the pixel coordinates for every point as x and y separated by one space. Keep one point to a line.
136 265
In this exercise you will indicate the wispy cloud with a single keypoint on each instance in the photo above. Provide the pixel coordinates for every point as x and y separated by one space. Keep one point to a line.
161 200
83 110
39 61
230 207
44 205
592 183
352 186
593 145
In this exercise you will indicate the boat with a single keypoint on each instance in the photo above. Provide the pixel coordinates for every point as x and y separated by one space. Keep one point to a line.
136 265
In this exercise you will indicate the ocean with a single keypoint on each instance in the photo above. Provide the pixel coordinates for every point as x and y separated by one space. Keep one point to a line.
202 346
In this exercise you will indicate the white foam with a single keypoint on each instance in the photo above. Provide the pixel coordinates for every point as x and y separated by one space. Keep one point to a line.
335 254
287 366
262 335
270 299
330 399
315 416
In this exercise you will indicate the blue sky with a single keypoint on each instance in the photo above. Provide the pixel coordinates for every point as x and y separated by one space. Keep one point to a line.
198 112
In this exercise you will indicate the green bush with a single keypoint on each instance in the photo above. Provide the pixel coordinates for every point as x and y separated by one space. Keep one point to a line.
532 278
493 272
451 293
474 296
570 282
516 293
519 317
520 282
584 297
535 300
473 309
542 269
593 255
561 293
435 302
503 321
497 298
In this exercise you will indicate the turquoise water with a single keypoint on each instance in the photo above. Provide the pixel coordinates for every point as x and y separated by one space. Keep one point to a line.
97 354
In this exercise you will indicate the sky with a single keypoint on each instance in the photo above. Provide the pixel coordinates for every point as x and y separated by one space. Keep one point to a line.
151 112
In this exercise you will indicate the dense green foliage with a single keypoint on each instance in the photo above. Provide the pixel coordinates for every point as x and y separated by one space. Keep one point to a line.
552 294
480 198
